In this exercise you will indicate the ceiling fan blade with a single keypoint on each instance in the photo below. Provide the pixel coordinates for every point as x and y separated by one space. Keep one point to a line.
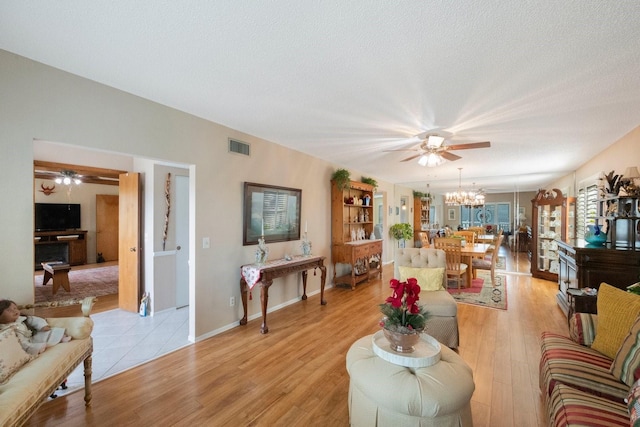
449 156
484 144
401 149
411 158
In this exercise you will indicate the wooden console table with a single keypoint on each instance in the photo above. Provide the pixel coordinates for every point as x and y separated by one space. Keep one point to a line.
252 274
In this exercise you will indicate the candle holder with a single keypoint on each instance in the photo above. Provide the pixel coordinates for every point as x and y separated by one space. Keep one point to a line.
262 252
306 245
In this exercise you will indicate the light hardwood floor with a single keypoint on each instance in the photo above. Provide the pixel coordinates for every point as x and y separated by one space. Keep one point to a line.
295 375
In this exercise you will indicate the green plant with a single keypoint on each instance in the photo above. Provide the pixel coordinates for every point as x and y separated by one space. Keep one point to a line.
372 182
401 231
419 194
342 178
401 311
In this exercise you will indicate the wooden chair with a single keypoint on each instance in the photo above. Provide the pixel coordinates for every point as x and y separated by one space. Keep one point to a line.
488 264
496 243
477 230
421 239
452 247
469 236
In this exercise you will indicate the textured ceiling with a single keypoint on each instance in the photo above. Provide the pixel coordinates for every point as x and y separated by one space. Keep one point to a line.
549 83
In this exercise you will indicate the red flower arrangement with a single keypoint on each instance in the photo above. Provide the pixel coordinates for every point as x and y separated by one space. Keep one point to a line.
401 309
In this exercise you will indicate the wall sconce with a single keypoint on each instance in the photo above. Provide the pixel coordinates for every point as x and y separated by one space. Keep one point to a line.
404 206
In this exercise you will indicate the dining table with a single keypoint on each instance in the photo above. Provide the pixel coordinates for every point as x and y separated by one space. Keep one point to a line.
468 252
485 238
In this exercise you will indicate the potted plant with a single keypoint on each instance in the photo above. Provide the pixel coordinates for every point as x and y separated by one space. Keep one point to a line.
342 178
403 318
401 231
372 182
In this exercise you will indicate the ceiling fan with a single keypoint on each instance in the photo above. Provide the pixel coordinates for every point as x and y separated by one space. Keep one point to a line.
433 151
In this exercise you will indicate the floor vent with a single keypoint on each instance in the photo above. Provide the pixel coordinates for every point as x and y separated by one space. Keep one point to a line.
239 147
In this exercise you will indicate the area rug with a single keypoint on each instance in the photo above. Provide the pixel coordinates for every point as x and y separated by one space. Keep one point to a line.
501 263
93 282
482 292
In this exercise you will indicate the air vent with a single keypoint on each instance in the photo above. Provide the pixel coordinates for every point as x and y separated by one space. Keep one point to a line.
239 147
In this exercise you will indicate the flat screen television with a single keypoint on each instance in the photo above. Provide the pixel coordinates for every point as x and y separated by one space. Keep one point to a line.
57 216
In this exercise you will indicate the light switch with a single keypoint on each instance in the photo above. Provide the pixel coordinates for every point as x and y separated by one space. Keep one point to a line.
206 244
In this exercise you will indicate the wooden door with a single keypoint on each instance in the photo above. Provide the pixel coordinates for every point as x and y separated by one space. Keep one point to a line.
129 238
107 213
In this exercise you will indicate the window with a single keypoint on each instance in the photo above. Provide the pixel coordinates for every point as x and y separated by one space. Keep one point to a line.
495 214
586 208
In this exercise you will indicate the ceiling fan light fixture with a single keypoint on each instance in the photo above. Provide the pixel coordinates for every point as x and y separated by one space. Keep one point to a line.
430 160
67 177
434 141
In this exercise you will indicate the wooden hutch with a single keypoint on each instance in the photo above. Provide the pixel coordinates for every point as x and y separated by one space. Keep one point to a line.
617 262
421 215
351 230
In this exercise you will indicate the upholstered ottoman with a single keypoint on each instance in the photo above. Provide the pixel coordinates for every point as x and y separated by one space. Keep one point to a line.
384 394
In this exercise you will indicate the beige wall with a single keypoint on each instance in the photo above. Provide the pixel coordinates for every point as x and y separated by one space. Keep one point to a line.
42 103
618 156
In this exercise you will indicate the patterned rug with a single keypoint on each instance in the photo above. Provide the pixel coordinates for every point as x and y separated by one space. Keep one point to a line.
93 282
482 292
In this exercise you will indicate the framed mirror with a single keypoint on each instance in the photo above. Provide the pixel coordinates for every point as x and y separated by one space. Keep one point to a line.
272 212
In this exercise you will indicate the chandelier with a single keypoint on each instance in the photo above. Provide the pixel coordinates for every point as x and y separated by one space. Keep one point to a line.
67 177
464 198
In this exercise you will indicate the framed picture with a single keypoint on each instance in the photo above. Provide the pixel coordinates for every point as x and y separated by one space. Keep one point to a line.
452 214
272 212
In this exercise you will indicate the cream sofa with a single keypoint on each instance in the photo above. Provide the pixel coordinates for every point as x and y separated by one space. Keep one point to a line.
35 381
442 307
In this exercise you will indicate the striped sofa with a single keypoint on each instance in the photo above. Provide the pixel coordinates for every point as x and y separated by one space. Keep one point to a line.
576 381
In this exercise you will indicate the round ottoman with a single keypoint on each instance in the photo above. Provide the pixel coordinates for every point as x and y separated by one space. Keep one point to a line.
384 394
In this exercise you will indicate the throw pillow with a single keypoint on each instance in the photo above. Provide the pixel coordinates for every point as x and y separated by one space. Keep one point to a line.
627 360
12 356
429 279
633 404
617 310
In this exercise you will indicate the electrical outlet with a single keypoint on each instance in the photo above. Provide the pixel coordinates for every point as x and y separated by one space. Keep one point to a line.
232 301
206 243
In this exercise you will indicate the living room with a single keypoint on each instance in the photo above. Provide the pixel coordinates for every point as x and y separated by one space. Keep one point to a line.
43 103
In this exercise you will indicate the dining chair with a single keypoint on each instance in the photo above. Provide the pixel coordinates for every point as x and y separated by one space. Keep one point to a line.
495 244
422 239
477 230
452 247
469 236
488 264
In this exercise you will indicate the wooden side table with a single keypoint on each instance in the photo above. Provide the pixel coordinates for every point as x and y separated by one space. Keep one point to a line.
580 302
59 272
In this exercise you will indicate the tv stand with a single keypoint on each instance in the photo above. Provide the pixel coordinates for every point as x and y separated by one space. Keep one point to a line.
69 246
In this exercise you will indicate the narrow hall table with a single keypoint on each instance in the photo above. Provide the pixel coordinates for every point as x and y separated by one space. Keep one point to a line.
252 274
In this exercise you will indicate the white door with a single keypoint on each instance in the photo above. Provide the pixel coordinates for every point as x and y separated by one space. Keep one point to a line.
182 241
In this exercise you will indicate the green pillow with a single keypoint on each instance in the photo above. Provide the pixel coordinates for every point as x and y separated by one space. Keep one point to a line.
617 310
429 279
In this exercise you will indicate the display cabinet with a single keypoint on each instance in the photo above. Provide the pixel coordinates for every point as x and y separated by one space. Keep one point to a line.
552 213
620 217
421 215
351 234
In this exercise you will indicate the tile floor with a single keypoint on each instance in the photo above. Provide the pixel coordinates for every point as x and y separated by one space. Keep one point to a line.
122 340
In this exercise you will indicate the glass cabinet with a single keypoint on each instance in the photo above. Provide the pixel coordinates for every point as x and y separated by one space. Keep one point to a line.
553 220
